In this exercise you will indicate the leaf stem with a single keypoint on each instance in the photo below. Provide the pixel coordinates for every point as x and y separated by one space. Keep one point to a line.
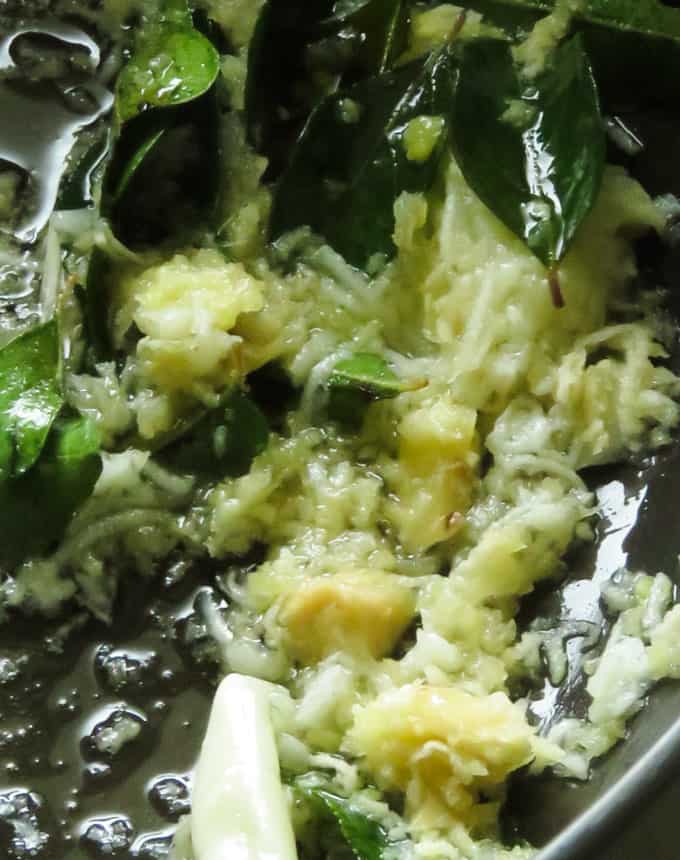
458 26
555 288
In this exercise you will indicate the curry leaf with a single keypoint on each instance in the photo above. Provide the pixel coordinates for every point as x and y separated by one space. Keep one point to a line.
279 92
649 17
36 507
357 382
30 396
135 162
634 45
176 65
161 183
222 442
365 836
94 305
161 172
353 159
77 188
379 28
301 53
532 149
369 374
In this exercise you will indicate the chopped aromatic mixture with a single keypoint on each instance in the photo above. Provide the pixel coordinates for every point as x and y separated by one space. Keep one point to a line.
342 297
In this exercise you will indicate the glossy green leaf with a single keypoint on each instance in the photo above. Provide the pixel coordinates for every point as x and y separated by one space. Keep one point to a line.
279 91
161 175
175 66
222 442
532 150
94 304
135 162
367 373
380 29
634 45
301 52
36 507
357 382
650 17
351 162
30 396
161 182
364 836
77 189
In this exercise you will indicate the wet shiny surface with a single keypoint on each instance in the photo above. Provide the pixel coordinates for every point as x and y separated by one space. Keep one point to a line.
47 101
99 727
98 739
638 531
53 100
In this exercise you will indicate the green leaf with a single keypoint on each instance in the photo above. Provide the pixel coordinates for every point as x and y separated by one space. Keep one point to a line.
76 190
161 175
30 396
367 373
642 16
220 443
366 838
381 32
301 52
532 150
357 382
94 304
134 164
351 162
175 66
161 182
634 45
36 507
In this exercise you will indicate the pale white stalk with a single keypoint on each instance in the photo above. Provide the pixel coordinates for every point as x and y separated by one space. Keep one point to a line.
239 809
52 274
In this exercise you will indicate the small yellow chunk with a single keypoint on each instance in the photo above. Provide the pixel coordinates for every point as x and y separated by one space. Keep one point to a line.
444 431
434 27
187 308
442 747
431 509
436 479
362 613
437 25
410 216
421 137
534 53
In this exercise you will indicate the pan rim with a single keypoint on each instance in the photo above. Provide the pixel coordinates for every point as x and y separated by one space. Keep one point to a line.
639 785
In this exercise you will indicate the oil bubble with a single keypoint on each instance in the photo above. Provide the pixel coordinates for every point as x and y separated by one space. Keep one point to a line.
170 795
20 812
107 837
